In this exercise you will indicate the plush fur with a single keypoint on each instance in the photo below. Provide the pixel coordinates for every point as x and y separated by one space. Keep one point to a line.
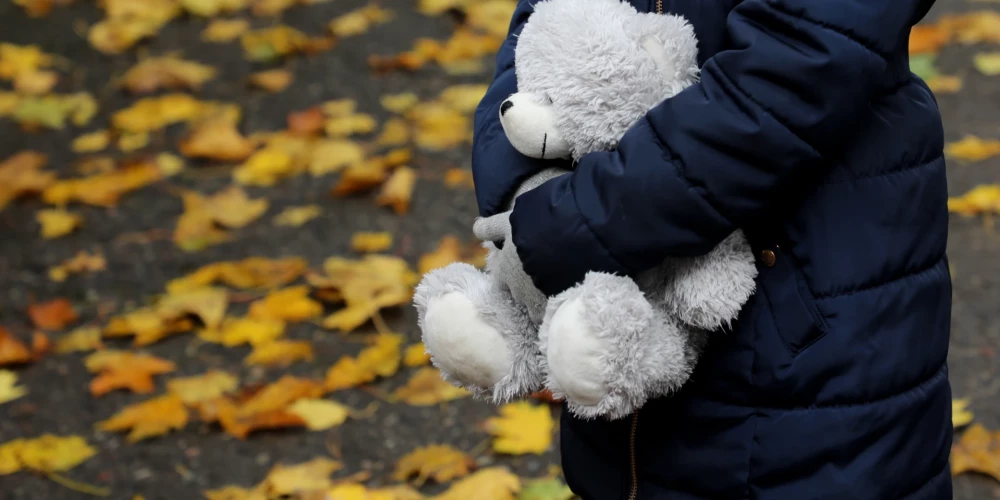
587 71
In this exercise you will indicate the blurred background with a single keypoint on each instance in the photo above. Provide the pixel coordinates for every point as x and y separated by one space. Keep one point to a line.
212 215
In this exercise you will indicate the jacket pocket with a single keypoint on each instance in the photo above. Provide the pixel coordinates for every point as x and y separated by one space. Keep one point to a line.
796 315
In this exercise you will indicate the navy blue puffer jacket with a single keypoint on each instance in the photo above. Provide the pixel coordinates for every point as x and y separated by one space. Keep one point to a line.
809 131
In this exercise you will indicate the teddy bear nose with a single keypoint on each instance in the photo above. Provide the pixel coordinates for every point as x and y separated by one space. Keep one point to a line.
505 106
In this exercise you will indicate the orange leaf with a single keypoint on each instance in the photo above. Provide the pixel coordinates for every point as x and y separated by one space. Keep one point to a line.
280 353
12 351
217 139
381 359
308 122
124 370
55 314
154 417
272 80
249 273
928 39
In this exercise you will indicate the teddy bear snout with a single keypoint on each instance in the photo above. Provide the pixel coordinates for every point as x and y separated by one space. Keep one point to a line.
506 106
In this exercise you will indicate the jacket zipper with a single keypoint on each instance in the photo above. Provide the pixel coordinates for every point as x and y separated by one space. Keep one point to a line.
659 6
634 490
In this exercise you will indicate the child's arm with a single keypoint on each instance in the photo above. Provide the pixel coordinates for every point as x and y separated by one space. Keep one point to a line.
497 167
762 122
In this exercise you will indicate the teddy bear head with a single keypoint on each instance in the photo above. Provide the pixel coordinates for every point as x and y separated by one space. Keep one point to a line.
588 70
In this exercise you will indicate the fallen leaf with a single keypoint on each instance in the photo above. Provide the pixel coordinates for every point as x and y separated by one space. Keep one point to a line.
297 216
154 113
150 418
57 222
361 177
265 168
366 286
36 82
289 304
458 177
104 190
207 303
55 314
307 122
546 489
270 44
928 38
399 103
978 450
960 415
46 453
82 339
272 80
92 142
239 331
463 98
521 428
449 250
416 355
280 353
279 395
266 408
129 141
207 386
224 30
442 463
212 8
21 174
198 227
233 493
12 350
398 190
439 126
9 390
381 359
945 84
494 483
124 370
52 111
166 73
984 199
359 21
130 21
320 414
395 132
291 480
366 242
217 139
331 155
22 59
988 63
246 274
972 27
426 387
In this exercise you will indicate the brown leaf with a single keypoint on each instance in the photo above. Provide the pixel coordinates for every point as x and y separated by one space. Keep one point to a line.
12 350
306 123
21 174
55 314
166 73
272 80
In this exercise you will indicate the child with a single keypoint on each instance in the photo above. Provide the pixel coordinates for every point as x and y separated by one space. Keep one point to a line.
808 131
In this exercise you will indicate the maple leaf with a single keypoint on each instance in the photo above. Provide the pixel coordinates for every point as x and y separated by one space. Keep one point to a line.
426 387
289 304
332 155
320 414
272 80
266 408
305 477
124 370
279 395
381 359
216 138
207 386
398 190
223 30
494 483
57 222
55 314
154 113
207 303
371 242
960 415
105 189
166 73
360 177
978 450
306 122
150 418
198 226
521 428
978 200
280 353
972 148
359 21
366 286
249 273
441 463
416 355
92 142
46 453
12 350
9 390
297 216
239 331
82 339
21 174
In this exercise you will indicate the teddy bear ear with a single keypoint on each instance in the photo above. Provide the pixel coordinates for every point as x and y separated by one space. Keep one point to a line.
658 52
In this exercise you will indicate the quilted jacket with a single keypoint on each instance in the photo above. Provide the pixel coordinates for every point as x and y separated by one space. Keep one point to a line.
809 131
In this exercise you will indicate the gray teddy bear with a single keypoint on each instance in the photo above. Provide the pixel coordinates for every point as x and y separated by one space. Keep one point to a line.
607 345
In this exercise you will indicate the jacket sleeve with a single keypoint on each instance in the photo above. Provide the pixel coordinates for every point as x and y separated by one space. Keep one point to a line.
498 168
760 124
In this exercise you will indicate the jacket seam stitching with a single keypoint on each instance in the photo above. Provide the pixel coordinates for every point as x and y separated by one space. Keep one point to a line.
888 173
907 275
829 27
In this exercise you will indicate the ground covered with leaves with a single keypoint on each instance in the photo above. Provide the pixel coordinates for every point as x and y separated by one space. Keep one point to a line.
212 215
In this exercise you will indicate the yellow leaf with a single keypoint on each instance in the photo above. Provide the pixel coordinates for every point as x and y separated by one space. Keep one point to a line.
269 44
212 8
280 353
449 250
46 453
154 113
521 428
20 59
150 418
464 98
416 355
331 155
272 80
124 370
239 331
218 139
359 21
366 285
972 27
231 208
289 304
207 386
264 168
458 177
426 387
979 200
92 142
279 395
320 414
234 493
346 126
493 483
81 262
224 30
399 103
438 126
978 450
249 273
36 82
129 21
21 174
491 16
398 190
928 39
207 303
83 339
381 359
988 63
972 148
166 73
945 84
105 189
441 463
297 216
306 477
57 222
395 132
9 390
960 415
371 242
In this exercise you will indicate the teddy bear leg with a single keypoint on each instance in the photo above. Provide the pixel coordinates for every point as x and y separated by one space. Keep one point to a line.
607 350
477 335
